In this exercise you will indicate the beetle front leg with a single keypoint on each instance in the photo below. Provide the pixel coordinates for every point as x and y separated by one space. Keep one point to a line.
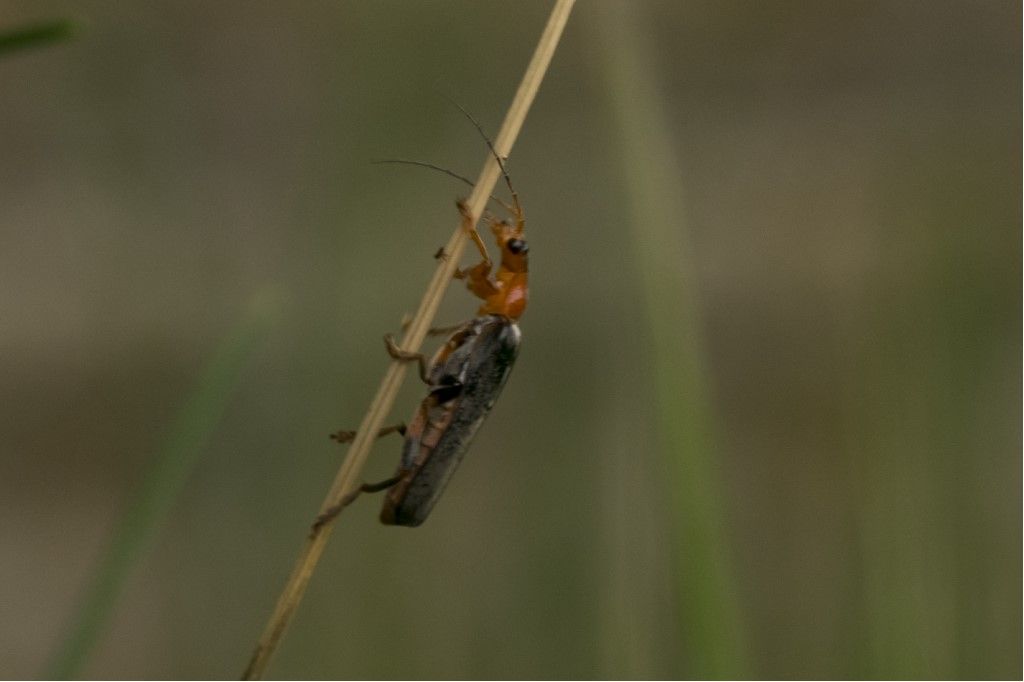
468 224
479 279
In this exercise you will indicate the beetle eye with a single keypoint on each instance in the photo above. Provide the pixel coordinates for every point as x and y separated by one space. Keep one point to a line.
517 246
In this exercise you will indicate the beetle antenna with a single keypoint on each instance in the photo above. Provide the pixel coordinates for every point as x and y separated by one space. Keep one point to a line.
518 209
424 164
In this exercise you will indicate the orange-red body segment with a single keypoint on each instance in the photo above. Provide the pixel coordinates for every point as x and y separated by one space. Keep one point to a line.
506 291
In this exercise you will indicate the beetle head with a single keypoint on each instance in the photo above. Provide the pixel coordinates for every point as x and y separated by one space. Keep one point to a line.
514 249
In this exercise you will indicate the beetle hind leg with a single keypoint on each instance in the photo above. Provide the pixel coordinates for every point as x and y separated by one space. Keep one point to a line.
328 515
348 436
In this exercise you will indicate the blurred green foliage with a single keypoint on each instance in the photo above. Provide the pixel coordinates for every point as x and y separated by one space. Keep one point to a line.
162 482
32 35
765 420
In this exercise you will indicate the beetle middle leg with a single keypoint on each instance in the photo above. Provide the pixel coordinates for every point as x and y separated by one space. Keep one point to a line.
399 354
444 331
434 331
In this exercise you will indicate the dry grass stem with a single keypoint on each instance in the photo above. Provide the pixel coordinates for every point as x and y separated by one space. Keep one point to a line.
349 475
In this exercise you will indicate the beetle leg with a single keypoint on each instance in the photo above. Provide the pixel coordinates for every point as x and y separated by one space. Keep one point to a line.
334 510
470 228
479 271
480 281
434 331
349 436
441 331
399 354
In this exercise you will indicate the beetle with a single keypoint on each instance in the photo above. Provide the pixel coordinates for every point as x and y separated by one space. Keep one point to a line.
465 375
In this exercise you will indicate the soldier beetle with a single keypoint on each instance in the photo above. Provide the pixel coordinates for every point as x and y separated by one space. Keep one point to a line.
466 374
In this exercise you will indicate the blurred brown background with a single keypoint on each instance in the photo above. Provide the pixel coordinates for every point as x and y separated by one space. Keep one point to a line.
844 214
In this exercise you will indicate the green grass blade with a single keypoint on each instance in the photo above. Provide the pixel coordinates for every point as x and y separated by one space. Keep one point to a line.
713 646
160 487
37 34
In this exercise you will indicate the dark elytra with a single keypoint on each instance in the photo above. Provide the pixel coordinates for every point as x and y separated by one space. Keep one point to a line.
480 365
